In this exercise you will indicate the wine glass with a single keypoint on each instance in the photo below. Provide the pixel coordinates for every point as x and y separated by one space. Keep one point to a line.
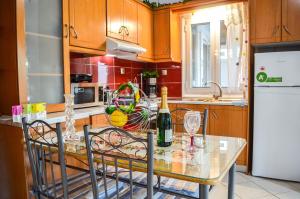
192 121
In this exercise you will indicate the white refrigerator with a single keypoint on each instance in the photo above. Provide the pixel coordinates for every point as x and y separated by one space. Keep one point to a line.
276 133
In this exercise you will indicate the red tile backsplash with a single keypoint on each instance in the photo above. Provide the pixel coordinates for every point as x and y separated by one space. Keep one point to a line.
109 72
173 79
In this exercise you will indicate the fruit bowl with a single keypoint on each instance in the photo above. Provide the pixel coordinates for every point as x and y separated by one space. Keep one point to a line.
125 111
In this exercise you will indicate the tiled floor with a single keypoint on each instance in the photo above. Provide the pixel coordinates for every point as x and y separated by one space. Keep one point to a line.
249 187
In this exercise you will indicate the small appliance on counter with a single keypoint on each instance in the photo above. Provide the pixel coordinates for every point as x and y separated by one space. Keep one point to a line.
105 95
151 87
85 94
79 78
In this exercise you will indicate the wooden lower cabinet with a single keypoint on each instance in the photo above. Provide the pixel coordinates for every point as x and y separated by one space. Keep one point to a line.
98 121
180 115
231 121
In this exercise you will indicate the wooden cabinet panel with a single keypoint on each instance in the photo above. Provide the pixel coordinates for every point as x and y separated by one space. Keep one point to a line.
265 21
99 121
290 20
175 37
162 38
230 121
88 23
219 118
131 21
115 15
145 31
167 39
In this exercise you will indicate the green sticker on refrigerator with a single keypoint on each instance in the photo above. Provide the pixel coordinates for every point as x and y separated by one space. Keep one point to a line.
263 77
274 79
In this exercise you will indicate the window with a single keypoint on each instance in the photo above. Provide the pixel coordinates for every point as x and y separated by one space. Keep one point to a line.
215 49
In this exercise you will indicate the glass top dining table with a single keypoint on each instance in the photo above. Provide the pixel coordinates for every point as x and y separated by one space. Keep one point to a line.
204 165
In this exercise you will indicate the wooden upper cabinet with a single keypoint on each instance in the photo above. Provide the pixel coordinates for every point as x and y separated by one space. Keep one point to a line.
166 36
131 21
265 21
88 23
162 28
290 20
115 14
145 31
122 17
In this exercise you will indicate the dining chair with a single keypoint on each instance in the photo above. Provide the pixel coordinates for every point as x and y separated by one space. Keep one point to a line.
43 143
45 148
178 120
112 152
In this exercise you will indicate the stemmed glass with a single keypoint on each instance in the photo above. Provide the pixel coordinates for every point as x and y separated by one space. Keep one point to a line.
192 121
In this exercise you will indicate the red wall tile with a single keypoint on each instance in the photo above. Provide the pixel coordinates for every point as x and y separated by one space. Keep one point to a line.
110 72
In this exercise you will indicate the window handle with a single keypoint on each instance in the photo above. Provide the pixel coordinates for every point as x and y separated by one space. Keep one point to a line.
286 29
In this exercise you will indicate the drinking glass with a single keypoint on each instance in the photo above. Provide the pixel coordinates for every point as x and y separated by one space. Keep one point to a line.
192 121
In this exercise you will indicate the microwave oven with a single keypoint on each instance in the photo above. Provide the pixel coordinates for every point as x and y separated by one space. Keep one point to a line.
86 95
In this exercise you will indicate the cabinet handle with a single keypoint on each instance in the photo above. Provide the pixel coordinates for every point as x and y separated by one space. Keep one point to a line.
121 29
214 115
74 31
126 31
275 30
286 29
66 30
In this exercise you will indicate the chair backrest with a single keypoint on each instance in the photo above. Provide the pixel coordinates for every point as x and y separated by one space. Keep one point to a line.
119 149
178 120
44 143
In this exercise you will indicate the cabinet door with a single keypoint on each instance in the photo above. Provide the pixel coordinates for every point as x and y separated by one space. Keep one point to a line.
98 121
115 9
238 128
131 21
265 21
45 51
145 31
162 34
290 20
88 23
219 120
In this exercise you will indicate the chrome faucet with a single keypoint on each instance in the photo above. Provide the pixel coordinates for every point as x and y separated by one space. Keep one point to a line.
216 97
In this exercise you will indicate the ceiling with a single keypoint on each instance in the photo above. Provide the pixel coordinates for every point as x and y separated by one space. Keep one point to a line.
166 1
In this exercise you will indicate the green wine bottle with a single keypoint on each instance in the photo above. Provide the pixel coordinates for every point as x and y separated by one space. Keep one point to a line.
164 121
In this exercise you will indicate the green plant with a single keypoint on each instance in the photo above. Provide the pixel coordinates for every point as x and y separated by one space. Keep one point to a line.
150 74
157 4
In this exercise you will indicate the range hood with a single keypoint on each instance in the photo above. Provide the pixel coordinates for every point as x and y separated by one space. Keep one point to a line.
122 49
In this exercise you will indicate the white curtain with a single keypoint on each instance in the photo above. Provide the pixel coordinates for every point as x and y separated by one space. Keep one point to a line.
237 46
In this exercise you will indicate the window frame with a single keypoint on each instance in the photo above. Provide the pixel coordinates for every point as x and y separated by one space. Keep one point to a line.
187 89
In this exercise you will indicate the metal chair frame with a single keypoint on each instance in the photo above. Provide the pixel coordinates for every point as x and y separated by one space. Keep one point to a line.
204 119
40 152
115 154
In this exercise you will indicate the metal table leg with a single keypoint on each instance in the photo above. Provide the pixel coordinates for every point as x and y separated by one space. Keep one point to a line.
231 181
203 191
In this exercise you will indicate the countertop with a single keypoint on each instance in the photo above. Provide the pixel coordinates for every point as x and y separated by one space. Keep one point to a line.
224 102
59 116
87 112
